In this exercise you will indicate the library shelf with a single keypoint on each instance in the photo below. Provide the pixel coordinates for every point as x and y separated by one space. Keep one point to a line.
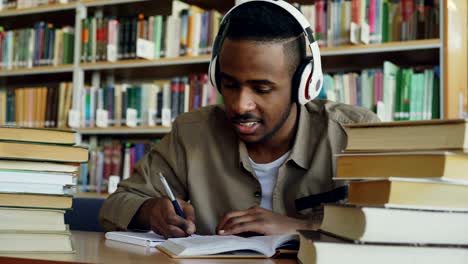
39 9
90 3
325 51
37 70
381 48
124 130
139 63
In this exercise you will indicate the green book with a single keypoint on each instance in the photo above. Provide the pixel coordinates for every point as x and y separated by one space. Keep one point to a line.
367 91
158 23
398 98
436 95
389 90
405 94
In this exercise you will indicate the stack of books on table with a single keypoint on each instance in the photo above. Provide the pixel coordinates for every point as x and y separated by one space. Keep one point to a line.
38 169
407 197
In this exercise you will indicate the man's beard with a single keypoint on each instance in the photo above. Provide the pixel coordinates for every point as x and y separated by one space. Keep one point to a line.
276 128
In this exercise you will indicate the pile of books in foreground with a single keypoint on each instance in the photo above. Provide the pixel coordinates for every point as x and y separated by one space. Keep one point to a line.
407 197
38 169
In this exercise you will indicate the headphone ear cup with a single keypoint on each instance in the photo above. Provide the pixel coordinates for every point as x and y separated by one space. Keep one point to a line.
297 80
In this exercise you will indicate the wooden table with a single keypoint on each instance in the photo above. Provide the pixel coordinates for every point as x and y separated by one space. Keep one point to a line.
92 247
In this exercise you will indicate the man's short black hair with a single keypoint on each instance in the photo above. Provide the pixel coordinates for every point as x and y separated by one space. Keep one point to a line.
266 22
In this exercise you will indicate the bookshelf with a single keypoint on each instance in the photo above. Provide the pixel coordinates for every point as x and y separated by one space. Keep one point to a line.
40 9
449 51
37 70
149 130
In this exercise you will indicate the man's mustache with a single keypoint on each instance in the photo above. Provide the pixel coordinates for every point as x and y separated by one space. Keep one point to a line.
247 117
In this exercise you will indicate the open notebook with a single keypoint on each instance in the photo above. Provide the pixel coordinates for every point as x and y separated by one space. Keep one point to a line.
227 246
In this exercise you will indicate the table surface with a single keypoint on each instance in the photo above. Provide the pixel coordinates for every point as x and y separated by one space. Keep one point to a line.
92 247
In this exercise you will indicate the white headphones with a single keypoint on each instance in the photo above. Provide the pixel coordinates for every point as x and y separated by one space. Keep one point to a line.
308 77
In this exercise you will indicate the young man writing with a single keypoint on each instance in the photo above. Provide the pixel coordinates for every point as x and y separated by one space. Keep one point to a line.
261 163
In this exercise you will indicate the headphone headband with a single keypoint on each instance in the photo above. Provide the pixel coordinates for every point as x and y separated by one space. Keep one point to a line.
311 76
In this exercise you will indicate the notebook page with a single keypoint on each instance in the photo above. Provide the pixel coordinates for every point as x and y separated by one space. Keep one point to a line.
207 245
275 241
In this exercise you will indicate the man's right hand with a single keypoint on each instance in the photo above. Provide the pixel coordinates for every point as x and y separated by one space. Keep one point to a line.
159 215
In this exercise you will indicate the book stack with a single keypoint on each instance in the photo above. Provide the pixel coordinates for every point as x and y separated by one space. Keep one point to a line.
38 169
407 196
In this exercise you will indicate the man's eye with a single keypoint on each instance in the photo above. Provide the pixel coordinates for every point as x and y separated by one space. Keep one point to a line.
262 89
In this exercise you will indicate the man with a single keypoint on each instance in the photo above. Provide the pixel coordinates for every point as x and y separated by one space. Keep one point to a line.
261 163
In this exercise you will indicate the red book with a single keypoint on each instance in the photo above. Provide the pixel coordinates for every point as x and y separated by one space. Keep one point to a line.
116 162
107 161
355 10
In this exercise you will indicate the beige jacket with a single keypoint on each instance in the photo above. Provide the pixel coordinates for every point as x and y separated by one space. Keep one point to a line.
204 162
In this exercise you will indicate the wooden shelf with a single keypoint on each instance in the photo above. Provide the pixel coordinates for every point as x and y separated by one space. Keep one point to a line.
124 130
380 48
139 63
37 70
89 3
39 9
204 59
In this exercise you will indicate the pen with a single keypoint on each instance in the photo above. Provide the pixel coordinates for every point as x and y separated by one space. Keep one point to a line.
169 193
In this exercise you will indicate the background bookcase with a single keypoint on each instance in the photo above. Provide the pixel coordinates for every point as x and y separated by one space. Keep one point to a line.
449 52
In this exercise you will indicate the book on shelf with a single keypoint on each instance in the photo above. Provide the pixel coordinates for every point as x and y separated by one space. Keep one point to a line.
32 219
401 226
341 22
410 193
188 31
42 45
227 246
407 136
429 164
148 99
404 93
36 106
316 247
110 158
35 242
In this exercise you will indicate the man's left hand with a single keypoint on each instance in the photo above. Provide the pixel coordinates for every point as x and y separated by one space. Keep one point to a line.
261 221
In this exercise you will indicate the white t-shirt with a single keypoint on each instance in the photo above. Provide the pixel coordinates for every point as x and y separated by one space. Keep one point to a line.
267 173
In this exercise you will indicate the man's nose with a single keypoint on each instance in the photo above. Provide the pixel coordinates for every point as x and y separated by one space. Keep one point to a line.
244 101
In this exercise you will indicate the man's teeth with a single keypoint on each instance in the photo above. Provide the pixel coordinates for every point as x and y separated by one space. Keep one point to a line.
248 124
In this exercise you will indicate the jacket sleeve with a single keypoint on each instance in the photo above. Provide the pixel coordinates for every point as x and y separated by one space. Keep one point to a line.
167 157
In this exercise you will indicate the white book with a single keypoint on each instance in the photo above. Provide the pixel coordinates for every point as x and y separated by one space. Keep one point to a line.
37 177
37 188
146 239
